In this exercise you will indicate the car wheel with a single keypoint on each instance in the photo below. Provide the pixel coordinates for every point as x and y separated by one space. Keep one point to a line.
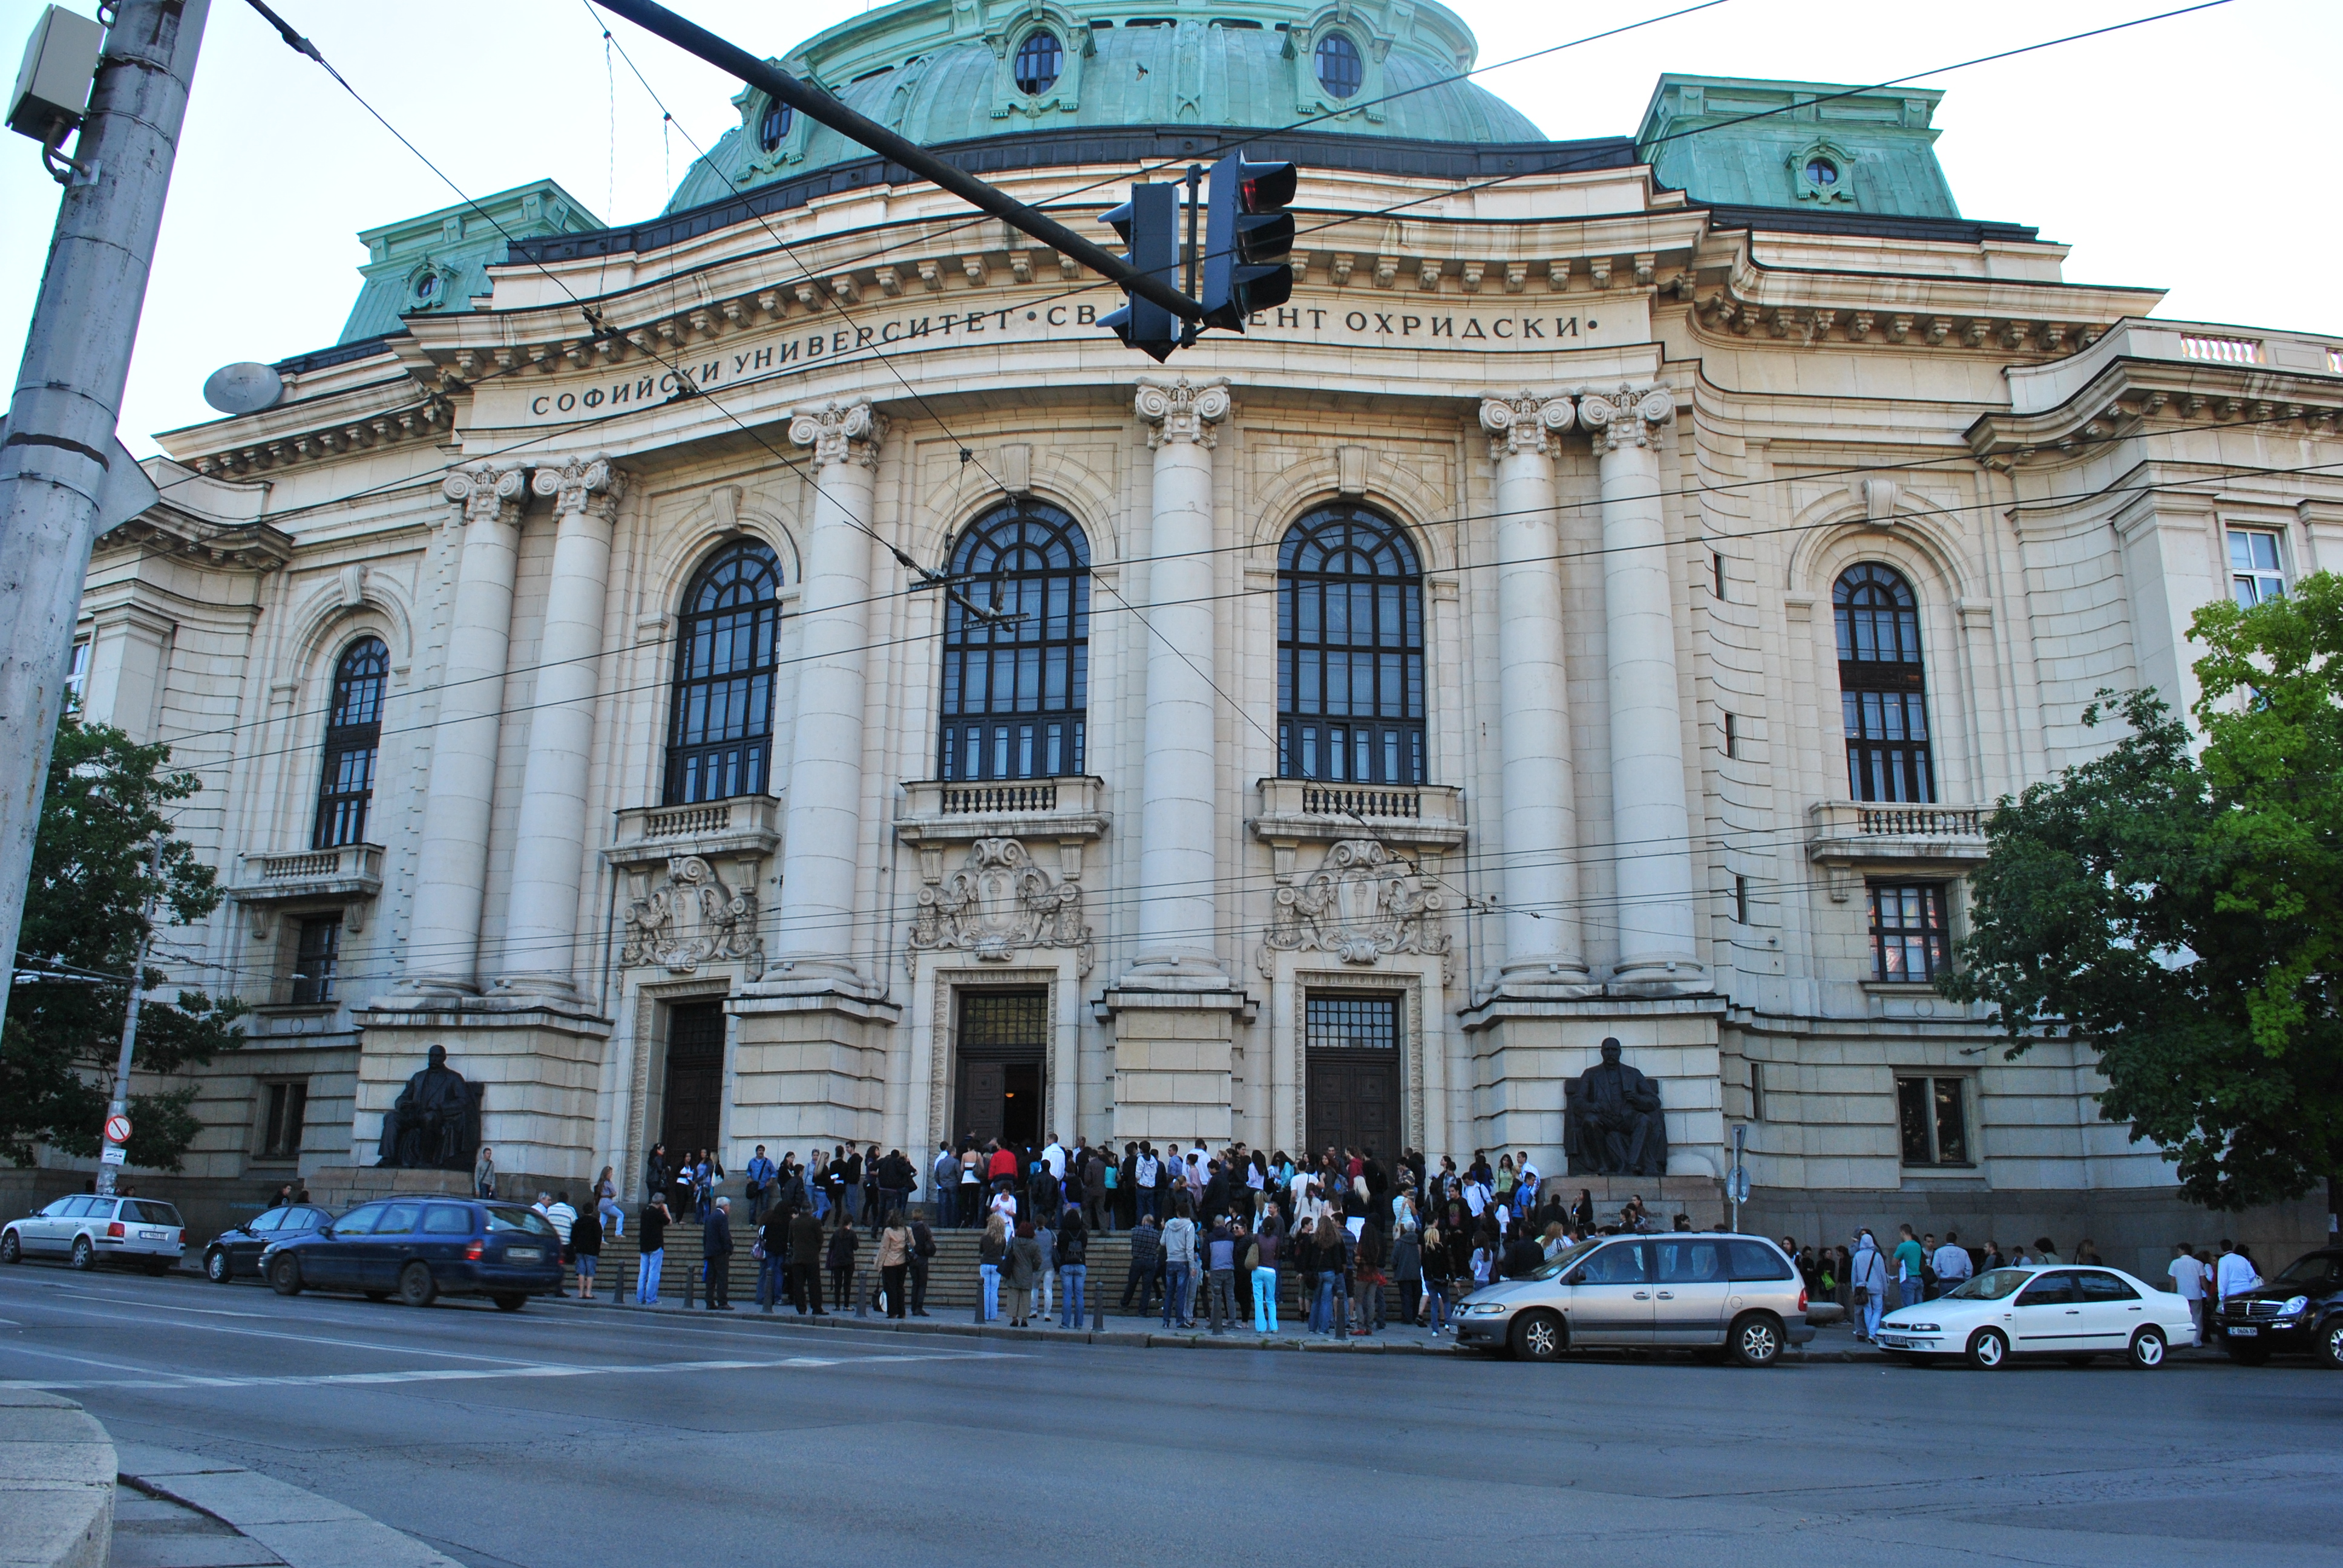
1756 1340
12 1251
416 1288
1988 1351
2248 1355
511 1303
285 1276
1537 1337
216 1267
85 1253
2330 1343
2148 1350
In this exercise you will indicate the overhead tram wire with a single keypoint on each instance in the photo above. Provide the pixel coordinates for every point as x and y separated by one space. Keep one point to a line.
2205 471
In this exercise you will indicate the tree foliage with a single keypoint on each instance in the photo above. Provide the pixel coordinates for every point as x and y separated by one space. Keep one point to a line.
84 911
2181 913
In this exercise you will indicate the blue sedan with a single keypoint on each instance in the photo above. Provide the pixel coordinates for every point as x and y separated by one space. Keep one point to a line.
419 1249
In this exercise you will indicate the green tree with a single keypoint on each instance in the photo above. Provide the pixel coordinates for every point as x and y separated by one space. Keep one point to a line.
2180 914
84 911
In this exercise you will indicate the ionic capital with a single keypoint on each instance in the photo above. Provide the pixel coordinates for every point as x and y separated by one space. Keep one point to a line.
1183 412
849 435
1518 424
1629 416
582 484
484 492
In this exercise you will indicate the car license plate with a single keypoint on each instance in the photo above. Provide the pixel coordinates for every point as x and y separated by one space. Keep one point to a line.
525 1254
2246 1334
154 1235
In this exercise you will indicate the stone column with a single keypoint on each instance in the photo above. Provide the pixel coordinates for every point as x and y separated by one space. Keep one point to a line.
1177 911
444 938
1539 830
823 832
548 855
1651 827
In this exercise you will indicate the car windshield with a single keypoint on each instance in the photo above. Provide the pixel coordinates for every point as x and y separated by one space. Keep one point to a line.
1554 1268
528 1220
150 1212
1992 1285
2319 1269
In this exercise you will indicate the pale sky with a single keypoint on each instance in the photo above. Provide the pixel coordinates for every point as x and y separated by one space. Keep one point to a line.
2186 155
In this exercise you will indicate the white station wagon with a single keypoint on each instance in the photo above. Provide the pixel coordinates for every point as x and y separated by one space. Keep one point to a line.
90 1231
2074 1311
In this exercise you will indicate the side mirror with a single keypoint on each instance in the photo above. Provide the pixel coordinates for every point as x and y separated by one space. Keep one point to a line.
326 1231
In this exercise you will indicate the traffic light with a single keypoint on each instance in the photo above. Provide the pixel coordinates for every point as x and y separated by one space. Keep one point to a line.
1248 239
1149 225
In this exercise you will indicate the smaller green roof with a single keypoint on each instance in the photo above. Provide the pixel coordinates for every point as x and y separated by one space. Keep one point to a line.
440 260
1818 146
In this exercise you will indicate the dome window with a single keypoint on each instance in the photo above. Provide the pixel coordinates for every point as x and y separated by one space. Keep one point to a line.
428 285
1821 171
1038 62
1340 70
774 128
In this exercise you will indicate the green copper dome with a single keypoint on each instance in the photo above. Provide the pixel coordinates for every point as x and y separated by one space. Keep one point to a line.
941 71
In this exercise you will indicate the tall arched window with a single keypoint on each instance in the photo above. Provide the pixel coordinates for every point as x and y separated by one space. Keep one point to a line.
1882 686
353 741
720 741
1350 650
1015 690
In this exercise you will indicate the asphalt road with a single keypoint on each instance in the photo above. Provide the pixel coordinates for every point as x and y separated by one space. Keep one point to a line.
564 1437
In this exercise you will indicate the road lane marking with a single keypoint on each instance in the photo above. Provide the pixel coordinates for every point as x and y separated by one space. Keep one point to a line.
192 1381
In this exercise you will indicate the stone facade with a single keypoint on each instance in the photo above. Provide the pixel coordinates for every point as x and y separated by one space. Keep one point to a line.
1633 442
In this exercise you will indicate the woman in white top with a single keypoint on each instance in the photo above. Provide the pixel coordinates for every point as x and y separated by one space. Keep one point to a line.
1004 1204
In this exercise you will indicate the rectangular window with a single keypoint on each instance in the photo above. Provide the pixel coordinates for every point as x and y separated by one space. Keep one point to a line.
1908 936
2255 575
1732 735
1717 569
1352 1022
284 1107
1756 1092
77 673
1932 1120
1741 900
317 956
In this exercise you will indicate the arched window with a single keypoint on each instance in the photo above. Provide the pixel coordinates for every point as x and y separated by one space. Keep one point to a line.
1340 70
720 741
1882 686
1036 65
1350 650
353 741
1015 689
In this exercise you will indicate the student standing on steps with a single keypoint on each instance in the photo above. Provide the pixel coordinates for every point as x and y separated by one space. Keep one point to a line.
653 1244
805 1263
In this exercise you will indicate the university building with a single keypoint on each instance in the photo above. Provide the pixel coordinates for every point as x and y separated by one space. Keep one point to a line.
780 672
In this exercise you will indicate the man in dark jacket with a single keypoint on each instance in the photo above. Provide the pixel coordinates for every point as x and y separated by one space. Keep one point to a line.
586 1248
650 1237
923 1253
805 1263
773 1268
1146 1262
716 1242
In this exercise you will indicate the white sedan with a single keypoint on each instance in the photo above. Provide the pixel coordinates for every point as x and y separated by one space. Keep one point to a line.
2058 1309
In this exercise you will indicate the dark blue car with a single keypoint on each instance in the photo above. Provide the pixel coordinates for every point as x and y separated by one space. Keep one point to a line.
418 1249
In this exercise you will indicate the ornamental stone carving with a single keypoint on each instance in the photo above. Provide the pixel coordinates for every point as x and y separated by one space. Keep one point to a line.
690 918
1363 903
1183 412
847 434
582 484
1629 416
999 901
484 492
1518 424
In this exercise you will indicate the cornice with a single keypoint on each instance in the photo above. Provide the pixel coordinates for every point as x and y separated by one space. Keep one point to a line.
166 530
2129 395
384 412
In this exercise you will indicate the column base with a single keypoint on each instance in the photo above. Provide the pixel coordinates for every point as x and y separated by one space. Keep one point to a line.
1561 977
527 983
1658 977
810 1062
537 1060
1176 972
1175 1057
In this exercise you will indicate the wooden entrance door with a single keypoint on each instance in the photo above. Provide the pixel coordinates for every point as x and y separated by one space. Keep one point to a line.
1353 1096
1002 1042
693 1110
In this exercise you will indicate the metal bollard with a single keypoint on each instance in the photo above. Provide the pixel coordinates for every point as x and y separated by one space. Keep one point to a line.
690 1284
1098 1308
620 1299
861 1299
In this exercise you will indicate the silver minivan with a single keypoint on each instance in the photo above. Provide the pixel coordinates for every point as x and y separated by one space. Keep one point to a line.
1689 1290
89 1230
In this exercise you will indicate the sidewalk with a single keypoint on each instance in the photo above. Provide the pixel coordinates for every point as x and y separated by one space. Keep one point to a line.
296 1528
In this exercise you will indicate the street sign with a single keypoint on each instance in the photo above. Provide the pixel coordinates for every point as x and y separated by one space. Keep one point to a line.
1737 1185
117 1129
112 1156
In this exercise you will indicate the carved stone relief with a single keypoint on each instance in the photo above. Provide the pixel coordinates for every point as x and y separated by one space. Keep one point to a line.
1000 901
1361 904
690 918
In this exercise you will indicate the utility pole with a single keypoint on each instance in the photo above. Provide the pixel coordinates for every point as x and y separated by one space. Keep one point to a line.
63 476
118 1112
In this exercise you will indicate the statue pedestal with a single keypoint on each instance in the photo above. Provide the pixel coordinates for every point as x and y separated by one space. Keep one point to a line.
337 1187
1699 1198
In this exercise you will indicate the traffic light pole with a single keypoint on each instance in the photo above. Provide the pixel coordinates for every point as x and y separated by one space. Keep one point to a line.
819 106
63 473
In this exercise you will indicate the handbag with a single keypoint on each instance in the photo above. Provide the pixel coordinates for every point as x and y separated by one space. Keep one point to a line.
1862 1295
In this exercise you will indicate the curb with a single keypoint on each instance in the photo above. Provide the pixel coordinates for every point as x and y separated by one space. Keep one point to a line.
57 1483
304 1529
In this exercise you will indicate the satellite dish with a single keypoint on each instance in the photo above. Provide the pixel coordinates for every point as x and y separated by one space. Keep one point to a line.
243 388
